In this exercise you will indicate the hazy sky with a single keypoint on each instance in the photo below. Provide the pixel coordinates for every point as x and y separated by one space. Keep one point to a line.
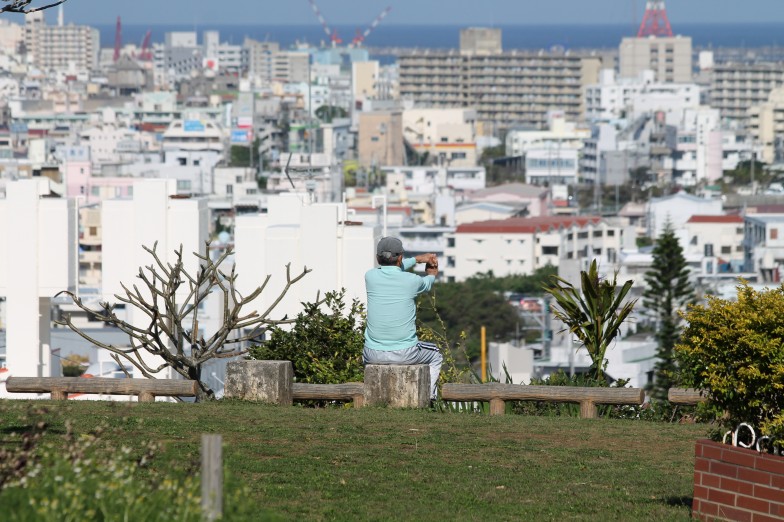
452 12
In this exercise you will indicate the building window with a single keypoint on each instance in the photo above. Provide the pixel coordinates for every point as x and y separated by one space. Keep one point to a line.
183 184
450 242
774 233
229 189
93 231
582 235
182 161
550 251
597 233
726 250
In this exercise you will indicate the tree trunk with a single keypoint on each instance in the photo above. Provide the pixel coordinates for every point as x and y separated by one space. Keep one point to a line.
203 392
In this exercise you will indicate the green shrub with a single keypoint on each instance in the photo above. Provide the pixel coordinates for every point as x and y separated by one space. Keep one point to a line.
324 347
734 350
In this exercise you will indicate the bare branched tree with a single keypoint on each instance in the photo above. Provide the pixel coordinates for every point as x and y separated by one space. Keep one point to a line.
171 331
23 6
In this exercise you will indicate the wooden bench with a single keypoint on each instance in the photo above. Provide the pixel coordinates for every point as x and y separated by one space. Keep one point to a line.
60 387
497 394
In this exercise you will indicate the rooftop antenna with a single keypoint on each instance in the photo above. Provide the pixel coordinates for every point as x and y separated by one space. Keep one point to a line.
655 21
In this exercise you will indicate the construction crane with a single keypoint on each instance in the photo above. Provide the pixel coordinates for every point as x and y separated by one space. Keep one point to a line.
117 39
359 39
333 35
145 54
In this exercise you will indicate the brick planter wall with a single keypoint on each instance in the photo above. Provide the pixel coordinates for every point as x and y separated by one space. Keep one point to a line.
737 484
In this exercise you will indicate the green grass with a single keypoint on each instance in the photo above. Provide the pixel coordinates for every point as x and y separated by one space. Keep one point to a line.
378 464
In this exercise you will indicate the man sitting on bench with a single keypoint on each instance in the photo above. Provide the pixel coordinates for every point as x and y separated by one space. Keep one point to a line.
390 331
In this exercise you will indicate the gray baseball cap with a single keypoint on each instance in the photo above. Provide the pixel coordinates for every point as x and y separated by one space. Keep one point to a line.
389 247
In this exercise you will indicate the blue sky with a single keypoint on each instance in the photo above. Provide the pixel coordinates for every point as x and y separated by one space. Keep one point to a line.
447 12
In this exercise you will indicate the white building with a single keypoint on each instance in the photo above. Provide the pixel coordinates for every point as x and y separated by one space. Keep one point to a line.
677 210
193 135
616 98
552 165
39 260
296 233
764 246
560 134
61 47
698 153
151 215
427 180
522 245
719 237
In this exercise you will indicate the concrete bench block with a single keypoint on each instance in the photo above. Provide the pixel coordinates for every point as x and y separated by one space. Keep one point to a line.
263 381
397 386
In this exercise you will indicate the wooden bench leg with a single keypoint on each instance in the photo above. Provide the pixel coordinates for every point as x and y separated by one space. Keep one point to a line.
497 406
59 395
588 410
359 401
146 397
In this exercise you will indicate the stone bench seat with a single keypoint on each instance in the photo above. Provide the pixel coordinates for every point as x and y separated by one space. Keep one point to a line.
393 386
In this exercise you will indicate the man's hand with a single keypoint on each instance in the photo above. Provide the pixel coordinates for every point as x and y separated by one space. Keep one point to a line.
429 259
431 263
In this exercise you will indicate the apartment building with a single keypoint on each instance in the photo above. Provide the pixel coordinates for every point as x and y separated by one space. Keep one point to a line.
446 136
380 138
506 88
61 47
766 126
736 87
716 236
522 245
260 58
670 58
763 244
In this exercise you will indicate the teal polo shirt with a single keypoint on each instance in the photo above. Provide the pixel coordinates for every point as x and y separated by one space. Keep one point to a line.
391 306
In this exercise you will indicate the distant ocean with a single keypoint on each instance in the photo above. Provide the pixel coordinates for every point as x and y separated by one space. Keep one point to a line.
444 36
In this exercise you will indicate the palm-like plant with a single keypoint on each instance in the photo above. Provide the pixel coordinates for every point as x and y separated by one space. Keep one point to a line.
594 312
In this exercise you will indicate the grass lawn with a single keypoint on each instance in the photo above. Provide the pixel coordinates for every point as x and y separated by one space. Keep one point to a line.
378 464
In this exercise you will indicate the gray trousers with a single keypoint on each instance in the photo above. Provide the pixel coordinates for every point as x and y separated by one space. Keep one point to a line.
421 353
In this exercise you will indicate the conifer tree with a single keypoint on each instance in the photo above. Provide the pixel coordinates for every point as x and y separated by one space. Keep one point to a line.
668 291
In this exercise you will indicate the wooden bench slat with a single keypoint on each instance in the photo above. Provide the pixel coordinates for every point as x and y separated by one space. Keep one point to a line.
687 396
331 392
102 385
507 392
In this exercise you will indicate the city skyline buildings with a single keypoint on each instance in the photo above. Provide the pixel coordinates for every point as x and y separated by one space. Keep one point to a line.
411 12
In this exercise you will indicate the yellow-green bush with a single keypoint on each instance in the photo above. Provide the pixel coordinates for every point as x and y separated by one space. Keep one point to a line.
735 351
